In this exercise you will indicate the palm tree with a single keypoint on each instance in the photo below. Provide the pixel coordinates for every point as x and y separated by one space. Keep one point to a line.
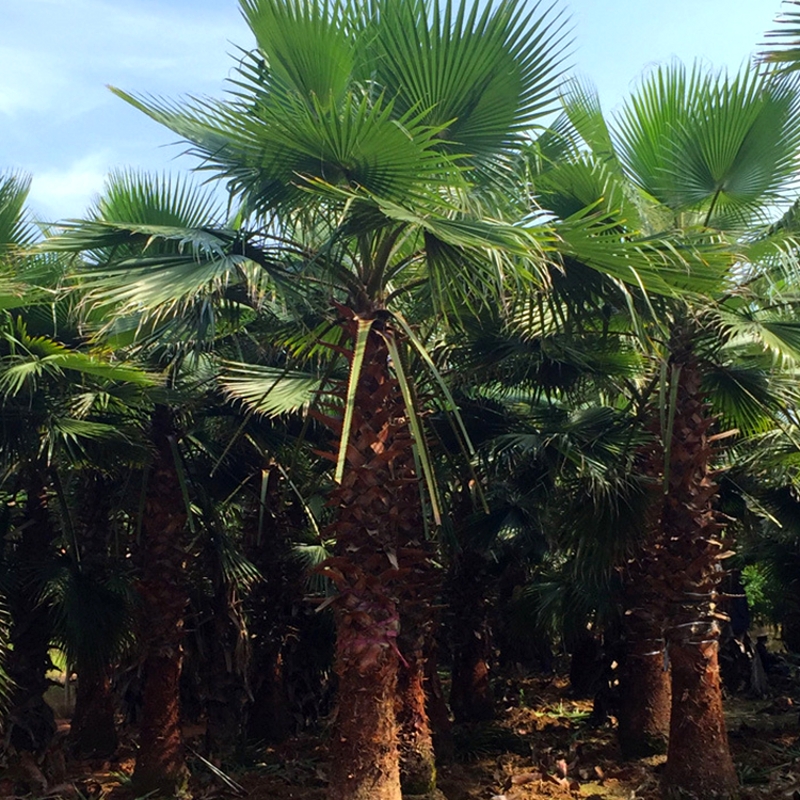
90 594
46 375
24 683
559 398
368 149
702 155
162 551
160 761
373 139
45 386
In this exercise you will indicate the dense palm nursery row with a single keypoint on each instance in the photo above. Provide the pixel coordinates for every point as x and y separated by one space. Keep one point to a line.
446 376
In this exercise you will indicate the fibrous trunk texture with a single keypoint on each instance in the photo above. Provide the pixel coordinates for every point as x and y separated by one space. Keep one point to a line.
364 755
32 724
92 731
160 765
225 665
699 763
377 513
226 674
471 695
420 587
274 614
644 704
644 679
271 718
417 759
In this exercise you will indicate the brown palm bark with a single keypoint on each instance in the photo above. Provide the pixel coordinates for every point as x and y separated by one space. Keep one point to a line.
92 731
273 611
699 763
471 696
644 679
270 717
438 711
160 765
419 589
364 754
225 673
377 510
32 724
417 758
415 737
645 701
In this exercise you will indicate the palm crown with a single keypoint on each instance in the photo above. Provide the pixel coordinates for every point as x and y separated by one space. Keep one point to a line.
369 151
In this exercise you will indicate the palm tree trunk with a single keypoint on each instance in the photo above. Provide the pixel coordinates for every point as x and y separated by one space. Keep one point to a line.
226 671
160 765
645 697
417 758
271 608
644 679
699 763
377 511
471 695
270 718
419 590
32 721
364 754
438 710
92 731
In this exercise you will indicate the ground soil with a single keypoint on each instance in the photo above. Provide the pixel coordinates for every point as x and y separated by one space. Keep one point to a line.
543 745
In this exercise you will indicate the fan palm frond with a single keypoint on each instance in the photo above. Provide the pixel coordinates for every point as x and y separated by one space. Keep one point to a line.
270 390
93 619
721 145
783 43
16 230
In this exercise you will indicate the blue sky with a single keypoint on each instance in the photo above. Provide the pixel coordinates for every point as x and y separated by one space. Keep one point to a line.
59 122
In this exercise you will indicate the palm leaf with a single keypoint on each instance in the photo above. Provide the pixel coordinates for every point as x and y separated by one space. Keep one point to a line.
746 396
772 331
93 618
582 109
270 391
712 143
34 357
783 43
486 73
16 230
163 201
665 264
362 335
267 156
306 46
421 454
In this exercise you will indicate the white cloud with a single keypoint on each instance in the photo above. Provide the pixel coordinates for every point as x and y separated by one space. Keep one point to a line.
38 80
56 56
59 193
